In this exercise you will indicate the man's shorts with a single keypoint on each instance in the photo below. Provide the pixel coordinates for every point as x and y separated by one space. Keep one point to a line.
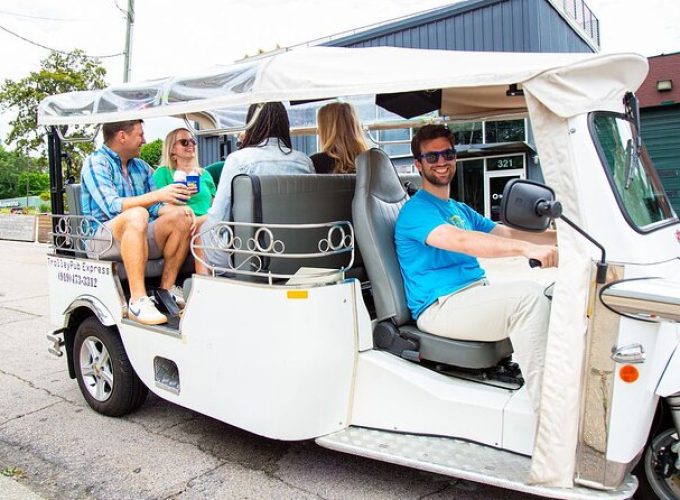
99 244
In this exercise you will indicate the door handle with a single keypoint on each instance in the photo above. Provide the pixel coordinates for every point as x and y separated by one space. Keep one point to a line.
629 354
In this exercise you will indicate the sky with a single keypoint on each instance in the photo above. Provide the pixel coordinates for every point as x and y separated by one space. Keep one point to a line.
172 36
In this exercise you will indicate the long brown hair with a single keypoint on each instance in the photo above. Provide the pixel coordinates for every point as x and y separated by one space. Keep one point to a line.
340 135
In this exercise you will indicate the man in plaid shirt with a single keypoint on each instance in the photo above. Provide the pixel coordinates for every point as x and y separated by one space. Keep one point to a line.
118 191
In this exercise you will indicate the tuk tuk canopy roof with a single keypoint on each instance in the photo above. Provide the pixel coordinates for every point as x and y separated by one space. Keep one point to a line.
472 84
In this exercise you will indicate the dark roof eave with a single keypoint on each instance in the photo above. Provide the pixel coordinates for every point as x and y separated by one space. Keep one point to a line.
475 150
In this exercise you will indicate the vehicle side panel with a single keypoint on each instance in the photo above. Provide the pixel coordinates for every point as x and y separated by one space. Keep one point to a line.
397 395
275 361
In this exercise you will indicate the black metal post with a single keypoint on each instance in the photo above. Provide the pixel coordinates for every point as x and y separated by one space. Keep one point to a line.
56 174
601 275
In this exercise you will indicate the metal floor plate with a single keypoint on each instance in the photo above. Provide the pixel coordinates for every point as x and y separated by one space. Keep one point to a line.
457 458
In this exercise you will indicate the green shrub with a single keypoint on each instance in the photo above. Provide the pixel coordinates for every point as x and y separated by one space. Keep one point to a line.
151 152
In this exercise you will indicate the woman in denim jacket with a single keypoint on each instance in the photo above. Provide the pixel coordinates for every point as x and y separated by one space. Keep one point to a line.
266 150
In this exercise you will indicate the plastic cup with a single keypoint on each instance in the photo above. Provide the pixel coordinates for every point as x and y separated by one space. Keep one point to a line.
194 181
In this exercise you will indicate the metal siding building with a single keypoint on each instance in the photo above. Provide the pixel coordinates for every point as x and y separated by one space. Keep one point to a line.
476 25
661 133
660 119
486 25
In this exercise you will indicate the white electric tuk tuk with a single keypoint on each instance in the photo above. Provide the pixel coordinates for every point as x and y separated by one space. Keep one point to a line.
305 333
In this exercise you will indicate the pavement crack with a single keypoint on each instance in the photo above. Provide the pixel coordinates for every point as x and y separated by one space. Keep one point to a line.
160 433
221 462
31 317
5 301
28 413
439 490
188 484
163 433
22 312
295 486
274 475
33 386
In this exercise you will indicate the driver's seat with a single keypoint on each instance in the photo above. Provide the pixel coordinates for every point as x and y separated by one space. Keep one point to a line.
378 198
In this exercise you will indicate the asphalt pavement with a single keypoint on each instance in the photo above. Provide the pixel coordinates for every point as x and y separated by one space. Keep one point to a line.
53 446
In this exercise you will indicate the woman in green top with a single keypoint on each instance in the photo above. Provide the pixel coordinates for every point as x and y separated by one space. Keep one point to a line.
180 153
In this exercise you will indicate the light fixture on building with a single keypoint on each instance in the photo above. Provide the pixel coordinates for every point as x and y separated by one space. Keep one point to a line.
514 89
664 85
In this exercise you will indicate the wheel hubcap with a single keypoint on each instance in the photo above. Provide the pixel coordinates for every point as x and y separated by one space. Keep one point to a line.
96 368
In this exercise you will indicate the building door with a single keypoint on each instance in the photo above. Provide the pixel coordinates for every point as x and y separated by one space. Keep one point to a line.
479 182
468 184
495 194
499 171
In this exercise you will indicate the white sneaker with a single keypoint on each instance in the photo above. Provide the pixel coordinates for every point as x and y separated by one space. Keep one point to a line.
144 311
177 293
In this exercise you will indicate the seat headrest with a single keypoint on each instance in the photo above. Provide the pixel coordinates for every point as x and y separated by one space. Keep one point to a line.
376 175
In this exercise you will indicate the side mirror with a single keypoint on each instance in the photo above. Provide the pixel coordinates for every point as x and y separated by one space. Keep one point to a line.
529 206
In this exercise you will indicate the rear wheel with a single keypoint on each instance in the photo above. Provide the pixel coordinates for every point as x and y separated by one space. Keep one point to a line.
105 376
658 471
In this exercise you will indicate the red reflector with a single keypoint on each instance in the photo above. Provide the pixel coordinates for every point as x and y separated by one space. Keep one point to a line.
629 373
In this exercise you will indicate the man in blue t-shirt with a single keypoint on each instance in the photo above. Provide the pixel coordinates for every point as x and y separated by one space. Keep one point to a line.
438 241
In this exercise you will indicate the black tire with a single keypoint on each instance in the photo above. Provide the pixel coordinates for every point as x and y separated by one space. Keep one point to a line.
653 485
105 376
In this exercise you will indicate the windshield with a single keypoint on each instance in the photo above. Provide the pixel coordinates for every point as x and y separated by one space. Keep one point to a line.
638 190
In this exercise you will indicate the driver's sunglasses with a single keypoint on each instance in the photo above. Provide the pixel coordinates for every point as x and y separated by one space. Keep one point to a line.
185 142
432 157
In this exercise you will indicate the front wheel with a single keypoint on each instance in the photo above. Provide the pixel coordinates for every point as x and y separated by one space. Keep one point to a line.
105 376
659 471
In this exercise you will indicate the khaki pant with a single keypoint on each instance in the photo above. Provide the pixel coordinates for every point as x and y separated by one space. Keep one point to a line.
488 313
104 246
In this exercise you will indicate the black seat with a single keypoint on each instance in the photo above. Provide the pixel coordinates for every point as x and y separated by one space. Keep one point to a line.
293 199
378 198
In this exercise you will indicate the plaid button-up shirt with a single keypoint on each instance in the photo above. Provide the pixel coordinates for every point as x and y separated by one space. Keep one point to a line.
103 185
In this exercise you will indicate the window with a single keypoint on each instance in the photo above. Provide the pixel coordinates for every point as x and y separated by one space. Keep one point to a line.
505 131
401 149
467 133
631 174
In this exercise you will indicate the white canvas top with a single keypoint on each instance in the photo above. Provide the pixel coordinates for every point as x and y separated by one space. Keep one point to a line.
473 84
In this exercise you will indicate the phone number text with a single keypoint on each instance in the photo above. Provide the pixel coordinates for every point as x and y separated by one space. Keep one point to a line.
77 279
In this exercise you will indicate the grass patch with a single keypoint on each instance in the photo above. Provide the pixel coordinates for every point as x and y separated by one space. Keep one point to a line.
12 472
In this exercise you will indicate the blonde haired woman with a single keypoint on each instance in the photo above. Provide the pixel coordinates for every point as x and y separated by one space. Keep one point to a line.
340 137
180 153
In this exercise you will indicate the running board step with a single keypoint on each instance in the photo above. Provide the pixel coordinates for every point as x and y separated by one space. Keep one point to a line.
460 459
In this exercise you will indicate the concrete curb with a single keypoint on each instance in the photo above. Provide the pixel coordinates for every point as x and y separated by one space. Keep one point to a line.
14 490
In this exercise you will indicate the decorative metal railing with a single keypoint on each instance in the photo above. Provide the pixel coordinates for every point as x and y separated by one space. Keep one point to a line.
260 250
80 235
583 16
299 253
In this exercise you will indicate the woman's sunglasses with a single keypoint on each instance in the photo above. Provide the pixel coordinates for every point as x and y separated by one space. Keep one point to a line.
185 142
433 156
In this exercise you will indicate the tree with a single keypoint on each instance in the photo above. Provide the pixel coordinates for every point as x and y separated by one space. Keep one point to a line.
58 73
13 170
151 152
38 183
